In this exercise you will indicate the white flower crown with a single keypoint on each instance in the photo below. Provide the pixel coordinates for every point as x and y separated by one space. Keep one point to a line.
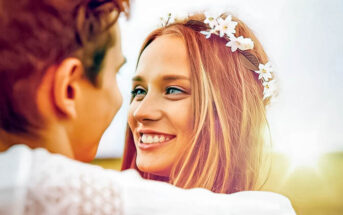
226 28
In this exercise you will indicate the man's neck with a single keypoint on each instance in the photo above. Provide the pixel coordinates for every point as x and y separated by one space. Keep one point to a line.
3 147
8 140
55 141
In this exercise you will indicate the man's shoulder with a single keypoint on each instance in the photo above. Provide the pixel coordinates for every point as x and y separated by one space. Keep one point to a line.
54 184
15 162
26 164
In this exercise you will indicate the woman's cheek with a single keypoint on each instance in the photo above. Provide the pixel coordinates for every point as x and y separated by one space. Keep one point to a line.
184 115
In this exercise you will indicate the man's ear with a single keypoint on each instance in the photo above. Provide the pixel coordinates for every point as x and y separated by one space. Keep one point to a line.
67 85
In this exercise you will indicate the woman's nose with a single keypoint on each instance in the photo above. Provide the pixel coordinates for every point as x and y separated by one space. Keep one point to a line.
149 109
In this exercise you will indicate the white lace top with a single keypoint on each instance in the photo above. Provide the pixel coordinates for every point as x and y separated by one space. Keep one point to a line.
38 182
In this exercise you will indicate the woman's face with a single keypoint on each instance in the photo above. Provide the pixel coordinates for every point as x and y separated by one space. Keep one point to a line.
160 115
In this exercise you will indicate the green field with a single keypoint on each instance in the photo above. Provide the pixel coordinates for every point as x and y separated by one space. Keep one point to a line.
316 190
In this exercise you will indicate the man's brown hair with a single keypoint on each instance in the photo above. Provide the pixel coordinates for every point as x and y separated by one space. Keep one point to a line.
37 34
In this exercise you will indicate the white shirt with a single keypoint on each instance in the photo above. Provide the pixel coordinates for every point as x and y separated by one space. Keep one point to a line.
38 182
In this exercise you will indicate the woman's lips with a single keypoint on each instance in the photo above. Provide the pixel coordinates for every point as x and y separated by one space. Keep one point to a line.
153 140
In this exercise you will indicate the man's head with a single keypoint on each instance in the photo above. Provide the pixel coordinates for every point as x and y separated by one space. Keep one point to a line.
58 61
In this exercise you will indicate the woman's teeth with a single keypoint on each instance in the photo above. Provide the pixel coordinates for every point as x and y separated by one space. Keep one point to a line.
147 138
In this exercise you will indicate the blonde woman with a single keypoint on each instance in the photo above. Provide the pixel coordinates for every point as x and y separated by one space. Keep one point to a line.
198 110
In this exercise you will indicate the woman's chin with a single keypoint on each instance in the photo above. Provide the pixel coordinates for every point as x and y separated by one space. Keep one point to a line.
152 169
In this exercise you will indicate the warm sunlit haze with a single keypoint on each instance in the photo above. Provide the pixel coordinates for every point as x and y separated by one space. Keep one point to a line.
303 40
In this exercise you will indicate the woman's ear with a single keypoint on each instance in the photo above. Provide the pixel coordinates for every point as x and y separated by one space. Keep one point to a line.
66 86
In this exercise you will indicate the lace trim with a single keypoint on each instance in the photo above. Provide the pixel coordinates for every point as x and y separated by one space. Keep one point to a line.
62 186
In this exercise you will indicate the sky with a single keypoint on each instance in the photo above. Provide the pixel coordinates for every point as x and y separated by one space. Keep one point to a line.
304 42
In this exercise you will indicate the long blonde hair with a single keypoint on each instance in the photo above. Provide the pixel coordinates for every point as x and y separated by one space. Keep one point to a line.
225 154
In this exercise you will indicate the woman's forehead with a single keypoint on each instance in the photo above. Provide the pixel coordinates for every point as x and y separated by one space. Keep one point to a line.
165 56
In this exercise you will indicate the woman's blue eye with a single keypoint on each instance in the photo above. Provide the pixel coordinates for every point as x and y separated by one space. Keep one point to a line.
173 90
138 92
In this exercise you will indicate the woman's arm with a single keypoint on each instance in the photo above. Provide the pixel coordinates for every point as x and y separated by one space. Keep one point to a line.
162 198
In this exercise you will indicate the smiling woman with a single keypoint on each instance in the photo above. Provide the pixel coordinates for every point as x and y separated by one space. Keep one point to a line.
161 115
197 115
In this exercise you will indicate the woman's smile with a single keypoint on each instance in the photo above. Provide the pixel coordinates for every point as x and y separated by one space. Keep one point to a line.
150 139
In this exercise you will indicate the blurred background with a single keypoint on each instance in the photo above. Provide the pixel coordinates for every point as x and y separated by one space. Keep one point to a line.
303 39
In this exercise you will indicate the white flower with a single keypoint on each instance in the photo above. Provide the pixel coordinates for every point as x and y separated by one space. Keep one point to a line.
265 71
269 87
167 20
211 19
226 26
208 33
233 43
240 43
245 43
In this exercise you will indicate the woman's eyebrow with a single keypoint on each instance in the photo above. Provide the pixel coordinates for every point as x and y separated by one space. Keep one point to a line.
164 78
174 77
138 78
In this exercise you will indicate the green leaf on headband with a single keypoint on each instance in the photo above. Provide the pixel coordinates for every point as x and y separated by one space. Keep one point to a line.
196 25
249 60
